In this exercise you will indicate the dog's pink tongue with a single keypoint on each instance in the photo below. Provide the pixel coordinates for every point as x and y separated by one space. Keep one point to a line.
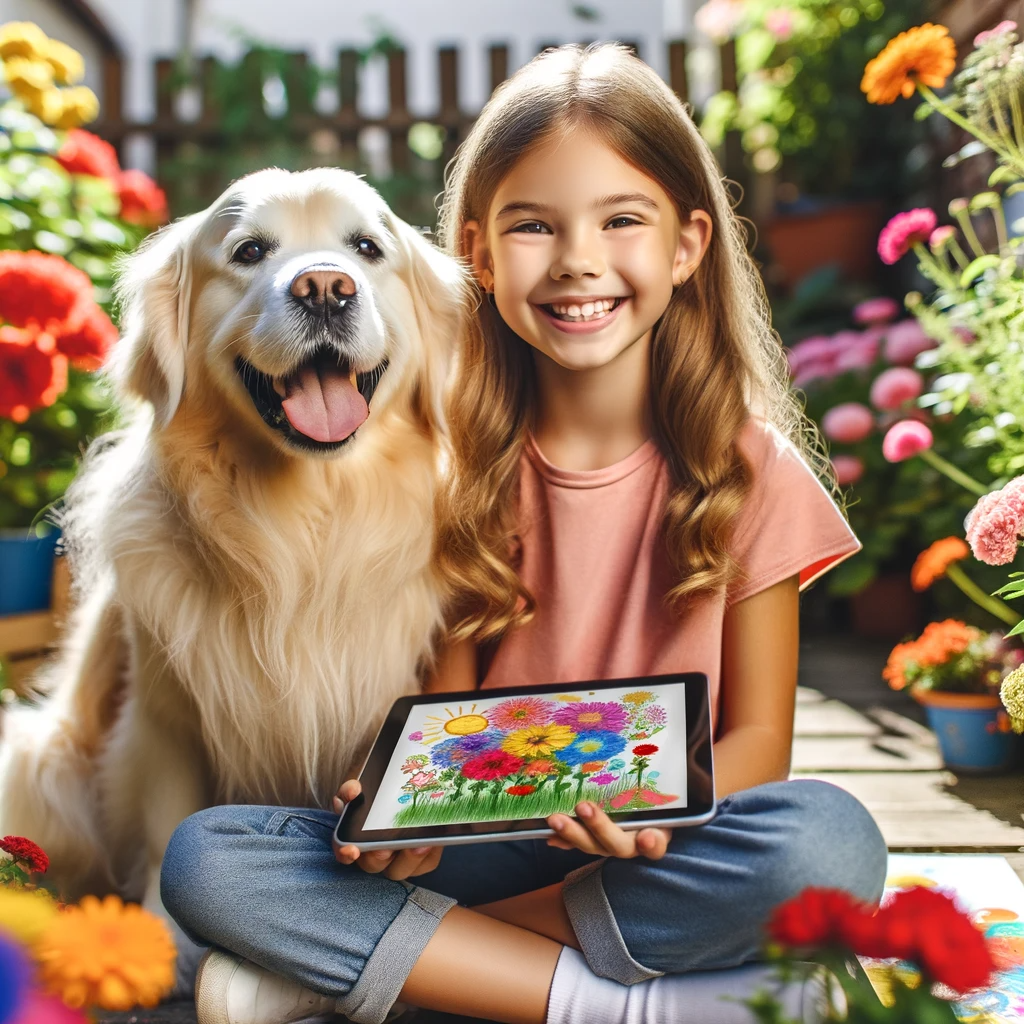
323 404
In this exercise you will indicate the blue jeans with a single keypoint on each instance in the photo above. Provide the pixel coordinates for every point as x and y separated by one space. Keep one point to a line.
263 883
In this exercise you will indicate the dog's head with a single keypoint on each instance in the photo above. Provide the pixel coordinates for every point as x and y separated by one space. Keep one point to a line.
298 305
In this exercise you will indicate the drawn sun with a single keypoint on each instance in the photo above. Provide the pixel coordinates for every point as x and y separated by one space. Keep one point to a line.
461 724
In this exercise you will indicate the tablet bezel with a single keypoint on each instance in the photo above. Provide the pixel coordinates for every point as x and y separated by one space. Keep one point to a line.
700 805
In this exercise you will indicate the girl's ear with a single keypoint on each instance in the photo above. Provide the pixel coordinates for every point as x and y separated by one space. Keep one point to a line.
694 238
474 244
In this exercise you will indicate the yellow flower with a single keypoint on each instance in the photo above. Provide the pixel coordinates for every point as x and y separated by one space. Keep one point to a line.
26 914
568 698
48 106
1011 693
66 61
80 106
27 77
22 39
108 955
538 740
925 54
638 697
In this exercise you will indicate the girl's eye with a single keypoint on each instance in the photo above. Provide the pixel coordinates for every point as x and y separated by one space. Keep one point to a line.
531 227
250 251
368 247
622 222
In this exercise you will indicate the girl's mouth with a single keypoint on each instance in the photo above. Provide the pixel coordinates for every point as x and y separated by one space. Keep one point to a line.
581 316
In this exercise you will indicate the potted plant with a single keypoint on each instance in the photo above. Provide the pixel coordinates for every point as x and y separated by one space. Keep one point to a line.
68 212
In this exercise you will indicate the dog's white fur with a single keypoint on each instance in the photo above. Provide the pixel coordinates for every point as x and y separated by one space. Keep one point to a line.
246 612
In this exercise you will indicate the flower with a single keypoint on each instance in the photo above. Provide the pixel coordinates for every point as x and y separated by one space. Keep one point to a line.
28 77
875 311
85 153
414 763
107 954
780 23
405 798
422 779
645 749
26 913
14 978
22 39
848 468
933 562
599 745
996 523
39 1008
935 646
925 54
458 750
519 712
905 439
904 231
816 918
1011 693
992 34
719 19
26 852
415 737
492 764
895 386
848 422
538 740
88 344
638 697
587 717
541 767
65 61
941 237
604 779
142 200
42 289
905 341
617 764
651 716
589 767
640 797
32 375
520 790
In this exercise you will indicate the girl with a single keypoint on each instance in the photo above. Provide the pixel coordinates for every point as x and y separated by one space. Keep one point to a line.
631 493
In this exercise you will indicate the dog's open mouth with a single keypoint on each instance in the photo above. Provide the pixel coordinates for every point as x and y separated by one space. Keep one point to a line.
319 405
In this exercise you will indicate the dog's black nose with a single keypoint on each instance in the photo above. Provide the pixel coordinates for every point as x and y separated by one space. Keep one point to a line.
323 291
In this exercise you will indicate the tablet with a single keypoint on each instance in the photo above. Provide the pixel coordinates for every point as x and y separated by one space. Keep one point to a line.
486 765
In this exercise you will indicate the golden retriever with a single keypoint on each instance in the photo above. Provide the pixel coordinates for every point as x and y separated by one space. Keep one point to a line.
252 554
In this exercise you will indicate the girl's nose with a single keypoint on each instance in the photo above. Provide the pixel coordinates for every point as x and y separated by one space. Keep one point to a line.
579 256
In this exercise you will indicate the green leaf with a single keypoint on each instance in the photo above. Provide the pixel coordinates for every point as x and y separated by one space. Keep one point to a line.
1001 175
978 267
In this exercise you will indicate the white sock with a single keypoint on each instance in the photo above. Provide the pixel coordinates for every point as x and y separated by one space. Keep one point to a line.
578 996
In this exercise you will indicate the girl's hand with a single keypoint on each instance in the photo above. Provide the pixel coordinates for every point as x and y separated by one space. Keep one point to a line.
394 864
595 832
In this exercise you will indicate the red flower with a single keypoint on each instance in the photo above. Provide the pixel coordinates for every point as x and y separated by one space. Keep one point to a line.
820 917
32 373
24 850
142 200
644 749
44 290
492 764
88 345
85 153
520 790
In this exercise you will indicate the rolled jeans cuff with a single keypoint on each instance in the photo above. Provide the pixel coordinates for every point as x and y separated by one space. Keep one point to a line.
388 966
598 932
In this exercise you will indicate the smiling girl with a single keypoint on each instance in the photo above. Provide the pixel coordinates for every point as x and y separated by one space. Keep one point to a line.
631 493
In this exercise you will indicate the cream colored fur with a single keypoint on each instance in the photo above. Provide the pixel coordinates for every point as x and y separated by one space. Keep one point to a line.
246 612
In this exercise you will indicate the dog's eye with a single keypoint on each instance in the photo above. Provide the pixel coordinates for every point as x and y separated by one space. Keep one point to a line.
250 251
368 247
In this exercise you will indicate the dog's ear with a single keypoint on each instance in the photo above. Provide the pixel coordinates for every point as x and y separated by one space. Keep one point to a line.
442 297
153 290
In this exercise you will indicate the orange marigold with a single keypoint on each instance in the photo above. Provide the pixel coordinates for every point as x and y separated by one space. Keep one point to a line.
107 954
925 54
933 563
936 645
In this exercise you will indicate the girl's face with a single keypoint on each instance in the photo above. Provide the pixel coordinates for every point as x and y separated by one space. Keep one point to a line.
582 250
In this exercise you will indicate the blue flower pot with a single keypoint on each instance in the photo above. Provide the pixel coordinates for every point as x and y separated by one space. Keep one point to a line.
973 731
26 571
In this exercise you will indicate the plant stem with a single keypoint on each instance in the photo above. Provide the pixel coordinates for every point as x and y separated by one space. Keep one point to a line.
950 114
958 254
992 605
955 474
1018 120
963 218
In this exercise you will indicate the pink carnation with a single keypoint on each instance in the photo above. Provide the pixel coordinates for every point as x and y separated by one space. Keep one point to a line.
905 341
875 311
849 469
905 439
848 423
894 386
993 33
904 231
995 524
859 356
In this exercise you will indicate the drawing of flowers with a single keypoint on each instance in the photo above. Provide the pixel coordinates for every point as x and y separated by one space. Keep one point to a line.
599 745
415 763
490 765
641 760
423 779
519 712
541 767
647 720
538 740
458 750
569 698
604 779
617 764
638 697
520 790
638 798
591 716
592 766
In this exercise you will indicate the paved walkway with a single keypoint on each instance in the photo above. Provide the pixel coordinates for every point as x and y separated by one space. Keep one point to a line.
852 730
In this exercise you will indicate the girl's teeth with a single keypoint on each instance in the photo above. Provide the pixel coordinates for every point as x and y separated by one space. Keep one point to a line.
587 308
574 311
585 311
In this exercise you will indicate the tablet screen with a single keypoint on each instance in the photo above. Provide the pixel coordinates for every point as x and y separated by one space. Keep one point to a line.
531 755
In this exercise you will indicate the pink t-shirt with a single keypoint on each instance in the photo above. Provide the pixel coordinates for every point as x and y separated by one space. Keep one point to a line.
592 559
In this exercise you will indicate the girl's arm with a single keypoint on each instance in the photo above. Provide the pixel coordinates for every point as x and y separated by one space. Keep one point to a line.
455 669
760 643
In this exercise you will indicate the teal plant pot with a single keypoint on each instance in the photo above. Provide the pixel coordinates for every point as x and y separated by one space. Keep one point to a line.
973 731
26 570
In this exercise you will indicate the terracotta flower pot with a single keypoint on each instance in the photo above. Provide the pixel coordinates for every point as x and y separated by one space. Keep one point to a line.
888 608
973 730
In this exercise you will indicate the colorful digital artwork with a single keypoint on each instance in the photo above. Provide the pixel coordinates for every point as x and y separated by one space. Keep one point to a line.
988 889
528 757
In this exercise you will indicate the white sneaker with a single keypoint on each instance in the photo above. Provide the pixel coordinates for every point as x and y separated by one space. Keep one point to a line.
232 990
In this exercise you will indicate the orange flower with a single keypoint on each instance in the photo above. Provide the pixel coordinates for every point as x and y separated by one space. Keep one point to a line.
936 645
925 54
933 563
108 955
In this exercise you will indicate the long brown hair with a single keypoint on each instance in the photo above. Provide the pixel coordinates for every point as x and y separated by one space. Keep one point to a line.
714 357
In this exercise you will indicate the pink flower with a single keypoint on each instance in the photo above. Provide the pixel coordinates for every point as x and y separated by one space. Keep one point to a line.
849 469
989 34
879 310
892 387
848 423
520 712
588 716
818 370
905 439
719 19
905 341
859 356
421 779
904 231
995 524
809 350
780 23
940 236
